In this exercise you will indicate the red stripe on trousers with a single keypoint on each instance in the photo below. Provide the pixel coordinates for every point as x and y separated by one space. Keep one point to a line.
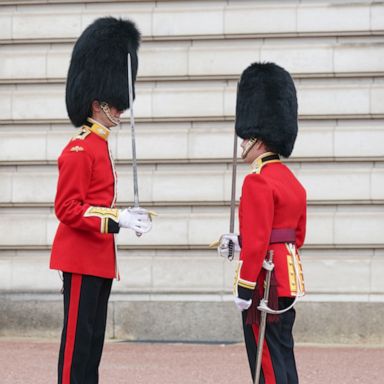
266 361
74 300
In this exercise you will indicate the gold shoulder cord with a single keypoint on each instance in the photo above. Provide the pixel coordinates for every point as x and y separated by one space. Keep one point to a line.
82 134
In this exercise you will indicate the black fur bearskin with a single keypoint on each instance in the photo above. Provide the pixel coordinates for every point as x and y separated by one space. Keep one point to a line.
266 107
98 68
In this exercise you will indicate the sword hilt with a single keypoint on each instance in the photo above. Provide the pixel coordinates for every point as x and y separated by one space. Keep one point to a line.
136 205
231 252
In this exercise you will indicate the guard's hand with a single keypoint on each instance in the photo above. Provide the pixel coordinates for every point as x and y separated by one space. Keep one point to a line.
138 219
242 304
225 242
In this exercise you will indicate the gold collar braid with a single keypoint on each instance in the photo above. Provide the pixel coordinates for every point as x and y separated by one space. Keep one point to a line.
265 158
98 129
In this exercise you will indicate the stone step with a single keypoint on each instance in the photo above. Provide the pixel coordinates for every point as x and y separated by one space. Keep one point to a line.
187 227
311 57
180 18
210 183
201 99
341 140
348 271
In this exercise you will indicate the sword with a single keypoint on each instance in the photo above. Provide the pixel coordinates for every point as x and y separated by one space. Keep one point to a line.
133 139
233 197
268 266
215 244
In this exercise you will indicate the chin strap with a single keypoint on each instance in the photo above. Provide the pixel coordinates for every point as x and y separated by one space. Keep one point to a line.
251 142
105 108
263 307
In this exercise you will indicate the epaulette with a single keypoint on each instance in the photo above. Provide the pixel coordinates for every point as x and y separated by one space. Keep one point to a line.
82 134
255 170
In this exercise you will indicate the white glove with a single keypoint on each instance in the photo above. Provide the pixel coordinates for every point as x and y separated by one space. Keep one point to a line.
138 219
242 304
224 242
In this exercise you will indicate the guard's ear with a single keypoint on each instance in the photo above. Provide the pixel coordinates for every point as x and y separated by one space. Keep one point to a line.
95 106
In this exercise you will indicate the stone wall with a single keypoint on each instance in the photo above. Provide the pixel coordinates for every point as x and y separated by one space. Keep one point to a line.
173 287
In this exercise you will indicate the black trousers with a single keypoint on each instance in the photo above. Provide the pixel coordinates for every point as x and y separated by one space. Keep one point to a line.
278 364
85 317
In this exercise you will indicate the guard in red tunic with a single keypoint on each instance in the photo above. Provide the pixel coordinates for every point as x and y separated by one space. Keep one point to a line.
84 247
272 217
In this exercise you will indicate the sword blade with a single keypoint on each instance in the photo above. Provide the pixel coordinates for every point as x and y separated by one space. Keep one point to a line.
233 196
233 191
259 353
133 138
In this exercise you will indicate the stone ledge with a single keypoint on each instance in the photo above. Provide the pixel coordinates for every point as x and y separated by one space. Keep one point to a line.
204 100
206 60
357 181
331 323
199 226
199 275
180 18
342 141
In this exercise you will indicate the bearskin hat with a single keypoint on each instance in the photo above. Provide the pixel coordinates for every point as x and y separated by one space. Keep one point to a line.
99 67
266 107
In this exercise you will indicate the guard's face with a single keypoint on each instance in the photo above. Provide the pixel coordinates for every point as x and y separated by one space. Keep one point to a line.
116 114
112 114
106 114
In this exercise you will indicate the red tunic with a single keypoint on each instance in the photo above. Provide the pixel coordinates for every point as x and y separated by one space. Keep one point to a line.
271 198
85 205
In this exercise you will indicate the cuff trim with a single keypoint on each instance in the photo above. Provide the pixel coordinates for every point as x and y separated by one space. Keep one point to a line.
246 284
103 213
